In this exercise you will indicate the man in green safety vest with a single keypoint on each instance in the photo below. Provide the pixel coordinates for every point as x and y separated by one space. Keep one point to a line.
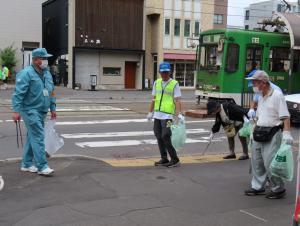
4 76
165 103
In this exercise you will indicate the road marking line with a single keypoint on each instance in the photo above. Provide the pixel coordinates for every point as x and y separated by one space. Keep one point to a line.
1 183
123 134
91 108
97 144
252 215
117 121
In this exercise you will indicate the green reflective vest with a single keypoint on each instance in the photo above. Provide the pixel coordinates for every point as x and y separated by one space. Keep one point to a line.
4 73
164 98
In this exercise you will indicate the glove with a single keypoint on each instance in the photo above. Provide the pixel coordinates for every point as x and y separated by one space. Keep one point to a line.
150 116
180 117
245 119
211 136
287 138
251 113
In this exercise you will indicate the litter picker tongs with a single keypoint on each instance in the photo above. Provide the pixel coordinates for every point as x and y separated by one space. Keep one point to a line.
209 143
19 133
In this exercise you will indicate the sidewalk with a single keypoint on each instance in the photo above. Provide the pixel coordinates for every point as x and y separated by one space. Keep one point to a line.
110 95
91 192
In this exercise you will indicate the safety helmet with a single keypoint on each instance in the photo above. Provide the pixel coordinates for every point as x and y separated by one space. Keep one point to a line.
164 67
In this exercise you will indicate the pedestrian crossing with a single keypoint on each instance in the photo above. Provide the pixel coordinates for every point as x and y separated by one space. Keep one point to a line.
137 137
114 134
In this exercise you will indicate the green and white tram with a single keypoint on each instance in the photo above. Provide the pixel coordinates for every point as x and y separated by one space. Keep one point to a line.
226 56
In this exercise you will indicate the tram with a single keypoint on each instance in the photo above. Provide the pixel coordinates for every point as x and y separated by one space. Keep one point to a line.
226 56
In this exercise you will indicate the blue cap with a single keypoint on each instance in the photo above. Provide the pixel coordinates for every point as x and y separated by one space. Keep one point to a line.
40 52
164 66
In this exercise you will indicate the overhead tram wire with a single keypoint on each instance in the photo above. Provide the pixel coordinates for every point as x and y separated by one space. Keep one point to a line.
227 6
189 11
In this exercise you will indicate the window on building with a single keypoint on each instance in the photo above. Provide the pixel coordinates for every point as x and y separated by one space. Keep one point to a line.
218 19
177 27
197 28
246 27
167 26
280 8
279 59
247 14
232 61
111 71
187 28
184 73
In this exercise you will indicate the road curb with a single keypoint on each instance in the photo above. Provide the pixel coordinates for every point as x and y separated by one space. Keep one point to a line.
135 162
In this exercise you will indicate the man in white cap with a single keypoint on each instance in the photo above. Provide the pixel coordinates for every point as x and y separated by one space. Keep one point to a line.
272 116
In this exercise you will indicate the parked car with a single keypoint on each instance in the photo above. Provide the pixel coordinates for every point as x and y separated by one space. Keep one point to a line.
293 103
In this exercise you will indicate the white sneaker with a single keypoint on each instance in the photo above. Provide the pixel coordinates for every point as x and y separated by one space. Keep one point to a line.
31 169
46 171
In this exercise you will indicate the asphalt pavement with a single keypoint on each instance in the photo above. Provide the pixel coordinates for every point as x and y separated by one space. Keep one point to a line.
113 185
86 191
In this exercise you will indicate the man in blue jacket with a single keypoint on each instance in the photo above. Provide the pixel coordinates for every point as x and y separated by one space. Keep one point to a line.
32 98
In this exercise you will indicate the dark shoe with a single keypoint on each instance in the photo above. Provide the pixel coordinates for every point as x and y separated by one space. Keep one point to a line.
173 163
231 156
276 195
244 157
161 162
253 192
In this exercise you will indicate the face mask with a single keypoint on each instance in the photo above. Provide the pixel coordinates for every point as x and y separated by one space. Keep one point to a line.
256 90
44 64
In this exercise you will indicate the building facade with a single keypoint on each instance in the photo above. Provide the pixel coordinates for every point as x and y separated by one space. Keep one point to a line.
172 30
21 27
256 12
96 42
106 40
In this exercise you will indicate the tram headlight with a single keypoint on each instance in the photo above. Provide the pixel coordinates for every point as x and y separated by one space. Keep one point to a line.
216 88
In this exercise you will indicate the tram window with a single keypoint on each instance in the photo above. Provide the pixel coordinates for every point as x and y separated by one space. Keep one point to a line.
296 60
210 58
232 61
279 60
253 57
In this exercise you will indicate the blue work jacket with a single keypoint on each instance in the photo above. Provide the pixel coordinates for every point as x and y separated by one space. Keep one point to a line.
29 95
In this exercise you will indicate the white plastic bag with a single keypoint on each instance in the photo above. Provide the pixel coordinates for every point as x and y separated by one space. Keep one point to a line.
178 137
52 140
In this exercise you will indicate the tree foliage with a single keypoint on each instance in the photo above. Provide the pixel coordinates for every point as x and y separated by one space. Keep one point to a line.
8 57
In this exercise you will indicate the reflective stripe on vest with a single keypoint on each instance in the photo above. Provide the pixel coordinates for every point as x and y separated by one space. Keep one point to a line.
164 98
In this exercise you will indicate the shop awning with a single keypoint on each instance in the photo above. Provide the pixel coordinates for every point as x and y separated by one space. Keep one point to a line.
292 22
179 56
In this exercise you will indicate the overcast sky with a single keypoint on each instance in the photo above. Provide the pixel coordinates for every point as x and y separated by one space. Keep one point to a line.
236 11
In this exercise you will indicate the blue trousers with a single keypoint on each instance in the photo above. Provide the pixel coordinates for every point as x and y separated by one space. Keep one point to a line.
34 149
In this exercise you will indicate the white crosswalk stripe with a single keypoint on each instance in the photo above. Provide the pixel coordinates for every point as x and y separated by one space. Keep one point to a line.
118 139
97 144
91 108
115 121
122 134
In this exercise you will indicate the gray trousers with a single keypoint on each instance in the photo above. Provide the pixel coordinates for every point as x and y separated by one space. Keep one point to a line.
262 156
243 140
162 131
